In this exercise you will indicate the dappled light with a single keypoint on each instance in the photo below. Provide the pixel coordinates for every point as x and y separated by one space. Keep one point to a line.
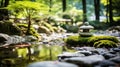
59 33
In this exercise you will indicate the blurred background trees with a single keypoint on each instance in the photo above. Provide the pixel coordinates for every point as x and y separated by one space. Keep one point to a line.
99 13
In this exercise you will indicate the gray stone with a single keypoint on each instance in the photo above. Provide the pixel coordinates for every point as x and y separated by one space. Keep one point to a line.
107 63
51 64
108 55
86 61
86 53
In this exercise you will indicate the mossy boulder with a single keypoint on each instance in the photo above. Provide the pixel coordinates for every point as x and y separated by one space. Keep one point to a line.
10 28
96 41
105 43
23 28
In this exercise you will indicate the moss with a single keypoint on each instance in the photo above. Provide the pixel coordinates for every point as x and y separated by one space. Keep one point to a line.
105 43
10 28
90 41
72 40
23 28
47 25
77 41
94 39
43 29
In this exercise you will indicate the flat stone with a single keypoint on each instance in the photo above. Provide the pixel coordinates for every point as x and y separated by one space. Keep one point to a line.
51 64
85 61
106 63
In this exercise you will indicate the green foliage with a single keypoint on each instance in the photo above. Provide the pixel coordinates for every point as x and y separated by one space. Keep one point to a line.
94 39
99 25
105 43
50 27
73 29
70 28
23 28
74 14
66 16
43 29
26 8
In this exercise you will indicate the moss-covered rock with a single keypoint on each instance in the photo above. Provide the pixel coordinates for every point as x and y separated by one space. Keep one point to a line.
105 43
23 28
10 28
72 41
96 41
43 29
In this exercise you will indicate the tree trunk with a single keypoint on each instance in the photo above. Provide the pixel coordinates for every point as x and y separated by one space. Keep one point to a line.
84 11
97 9
110 11
50 6
29 25
29 53
64 5
107 10
1 4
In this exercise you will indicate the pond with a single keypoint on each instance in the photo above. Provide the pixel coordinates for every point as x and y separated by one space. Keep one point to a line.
46 50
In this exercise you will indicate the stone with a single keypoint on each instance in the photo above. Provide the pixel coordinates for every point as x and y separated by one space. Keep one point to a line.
107 63
87 61
51 64
86 53
61 57
108 55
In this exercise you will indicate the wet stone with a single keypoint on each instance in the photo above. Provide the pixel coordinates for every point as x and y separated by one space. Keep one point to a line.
86 61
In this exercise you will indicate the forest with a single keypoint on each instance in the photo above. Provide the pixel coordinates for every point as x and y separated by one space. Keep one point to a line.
42 30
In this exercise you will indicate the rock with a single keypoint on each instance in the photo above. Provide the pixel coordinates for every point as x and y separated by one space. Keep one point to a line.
86 53
87 61
101 51
116 49
106 63
3 38
51 64
30 38
61 57
108 55
115 59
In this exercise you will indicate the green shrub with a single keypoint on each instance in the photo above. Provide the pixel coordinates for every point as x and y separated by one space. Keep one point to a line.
77 41
23 28
105 43
83 41
99 25
50 27
94 39
72 40
90 41
43 29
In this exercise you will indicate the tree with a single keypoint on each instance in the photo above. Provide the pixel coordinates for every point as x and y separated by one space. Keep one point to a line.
28 9
50 6
97 9
84 11
110 11
113 8
64 5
